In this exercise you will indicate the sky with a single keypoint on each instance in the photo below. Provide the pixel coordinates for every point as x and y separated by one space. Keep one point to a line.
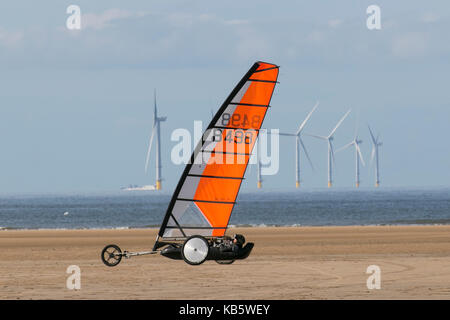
76 105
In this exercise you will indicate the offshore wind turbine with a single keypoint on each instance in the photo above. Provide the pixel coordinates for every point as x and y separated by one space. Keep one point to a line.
330 155
358 155
375 144
299 143
156 129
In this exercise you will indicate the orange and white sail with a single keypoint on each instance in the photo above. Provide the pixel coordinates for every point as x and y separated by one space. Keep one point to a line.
206 193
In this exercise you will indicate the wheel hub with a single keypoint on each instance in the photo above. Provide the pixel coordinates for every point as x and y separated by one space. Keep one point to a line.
195 250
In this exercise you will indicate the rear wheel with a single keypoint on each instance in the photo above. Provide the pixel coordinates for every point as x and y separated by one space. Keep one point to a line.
225 261
111 255
195 250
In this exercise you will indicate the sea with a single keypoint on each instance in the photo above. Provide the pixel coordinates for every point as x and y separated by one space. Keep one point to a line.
262 208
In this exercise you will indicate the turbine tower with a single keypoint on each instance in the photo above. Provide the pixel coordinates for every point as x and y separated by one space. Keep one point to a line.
358 156
375 144
258 165
156 128
329 140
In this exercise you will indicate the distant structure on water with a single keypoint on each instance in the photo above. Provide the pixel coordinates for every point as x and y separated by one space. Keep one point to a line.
331 153
156 130
375 144
299 144
330 156
358 155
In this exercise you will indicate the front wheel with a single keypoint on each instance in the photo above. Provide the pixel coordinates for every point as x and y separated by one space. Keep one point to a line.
195 250
111 255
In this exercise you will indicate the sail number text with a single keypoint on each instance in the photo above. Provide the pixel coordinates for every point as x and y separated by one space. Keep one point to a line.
243 121
237 136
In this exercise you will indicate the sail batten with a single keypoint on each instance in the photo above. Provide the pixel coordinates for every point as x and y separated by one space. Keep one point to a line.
208 201
215 177
208 188
250 105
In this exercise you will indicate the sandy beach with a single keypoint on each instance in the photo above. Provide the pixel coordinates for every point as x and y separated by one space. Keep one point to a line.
286 263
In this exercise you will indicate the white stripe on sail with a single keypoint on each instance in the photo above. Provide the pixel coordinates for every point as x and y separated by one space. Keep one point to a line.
238 97
189 188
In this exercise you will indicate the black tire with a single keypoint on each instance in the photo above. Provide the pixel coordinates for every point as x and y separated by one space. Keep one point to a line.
195 250
111 255
225 261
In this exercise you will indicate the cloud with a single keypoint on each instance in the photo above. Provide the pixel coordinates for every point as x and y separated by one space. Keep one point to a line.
334 23
137 38
429 17
10 38
236 22
105 19
413 44
251 43
316 37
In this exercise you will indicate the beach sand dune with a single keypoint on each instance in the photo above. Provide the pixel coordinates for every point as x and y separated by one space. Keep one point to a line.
287 263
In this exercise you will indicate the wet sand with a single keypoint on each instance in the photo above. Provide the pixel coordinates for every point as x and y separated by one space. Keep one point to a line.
286 263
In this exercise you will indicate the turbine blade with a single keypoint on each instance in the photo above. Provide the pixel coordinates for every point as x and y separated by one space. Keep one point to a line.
360 154
371 135
319 137
280 133
307 118
155 112
373 155
287 134
357 123
345 147
149 148
339 123
306 153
